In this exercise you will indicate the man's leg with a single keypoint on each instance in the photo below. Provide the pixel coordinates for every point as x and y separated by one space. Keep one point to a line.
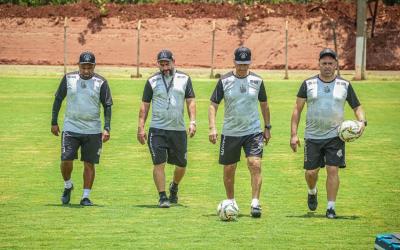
66 168
90 155
69 149
173 186
178 174
311 177
159 177
332 182
254 165
89 173
229 180
159 181
332 187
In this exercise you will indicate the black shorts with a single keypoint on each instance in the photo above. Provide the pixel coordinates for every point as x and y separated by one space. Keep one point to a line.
229 151
90 146
168 146
321 152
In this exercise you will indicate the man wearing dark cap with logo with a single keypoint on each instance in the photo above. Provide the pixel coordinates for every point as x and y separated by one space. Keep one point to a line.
241 90
85 91
325 95
167 90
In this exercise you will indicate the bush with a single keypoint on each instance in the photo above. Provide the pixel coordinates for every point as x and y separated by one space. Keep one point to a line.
391 2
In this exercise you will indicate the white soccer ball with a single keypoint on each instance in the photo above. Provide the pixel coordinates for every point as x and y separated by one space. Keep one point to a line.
227 211
349 130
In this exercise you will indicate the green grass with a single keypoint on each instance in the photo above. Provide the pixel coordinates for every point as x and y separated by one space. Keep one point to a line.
125 216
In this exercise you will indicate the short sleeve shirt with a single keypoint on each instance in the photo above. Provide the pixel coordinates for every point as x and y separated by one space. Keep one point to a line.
84 96
325 105
167 96
241 96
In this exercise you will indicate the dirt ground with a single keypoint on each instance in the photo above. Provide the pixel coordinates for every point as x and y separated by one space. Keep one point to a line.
36 35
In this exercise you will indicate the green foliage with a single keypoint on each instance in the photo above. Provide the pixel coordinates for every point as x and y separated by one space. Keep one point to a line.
391 2
101 5
38 2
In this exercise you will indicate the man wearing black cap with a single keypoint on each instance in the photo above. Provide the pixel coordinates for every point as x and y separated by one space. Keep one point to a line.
167 90
85 91
325 95
241 90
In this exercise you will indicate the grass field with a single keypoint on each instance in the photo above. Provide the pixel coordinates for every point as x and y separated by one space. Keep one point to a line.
125 215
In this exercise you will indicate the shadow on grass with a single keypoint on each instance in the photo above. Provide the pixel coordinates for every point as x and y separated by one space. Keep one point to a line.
156 206
239 216
314 215
72 205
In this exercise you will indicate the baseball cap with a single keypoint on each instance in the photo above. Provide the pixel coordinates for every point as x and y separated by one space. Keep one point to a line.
165 55
328 52
243 55
87 57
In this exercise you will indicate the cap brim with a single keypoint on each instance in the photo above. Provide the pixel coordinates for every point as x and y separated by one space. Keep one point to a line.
243 62
86 63
328 54
164 59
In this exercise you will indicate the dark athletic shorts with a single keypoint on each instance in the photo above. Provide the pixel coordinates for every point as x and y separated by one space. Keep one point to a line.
168 146
321 152
229 151
90 146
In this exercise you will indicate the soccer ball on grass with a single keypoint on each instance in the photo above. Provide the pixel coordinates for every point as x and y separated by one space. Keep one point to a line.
227 210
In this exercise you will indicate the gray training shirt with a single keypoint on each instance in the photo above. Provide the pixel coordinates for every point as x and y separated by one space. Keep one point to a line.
241 96
82 114
168 98
325 105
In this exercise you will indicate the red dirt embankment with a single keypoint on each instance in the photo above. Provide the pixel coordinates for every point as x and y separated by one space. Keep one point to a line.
35 35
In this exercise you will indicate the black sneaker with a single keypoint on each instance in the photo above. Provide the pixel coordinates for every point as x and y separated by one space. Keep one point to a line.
330 213
173 193
66 196
164 202
86 202
256 212
312 201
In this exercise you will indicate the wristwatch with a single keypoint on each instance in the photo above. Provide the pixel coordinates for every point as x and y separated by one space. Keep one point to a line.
364 121
269 127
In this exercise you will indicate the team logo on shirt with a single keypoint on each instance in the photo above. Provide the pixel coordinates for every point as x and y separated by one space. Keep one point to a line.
254 82
242 89
83 85
327 89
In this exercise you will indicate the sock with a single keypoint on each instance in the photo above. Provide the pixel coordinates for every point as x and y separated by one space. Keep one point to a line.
174 185
86 193
255 202
162 194
331 204
234 203
313 190
68 184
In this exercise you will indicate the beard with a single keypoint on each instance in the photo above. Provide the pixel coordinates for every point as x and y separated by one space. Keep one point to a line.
167 72
86 76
